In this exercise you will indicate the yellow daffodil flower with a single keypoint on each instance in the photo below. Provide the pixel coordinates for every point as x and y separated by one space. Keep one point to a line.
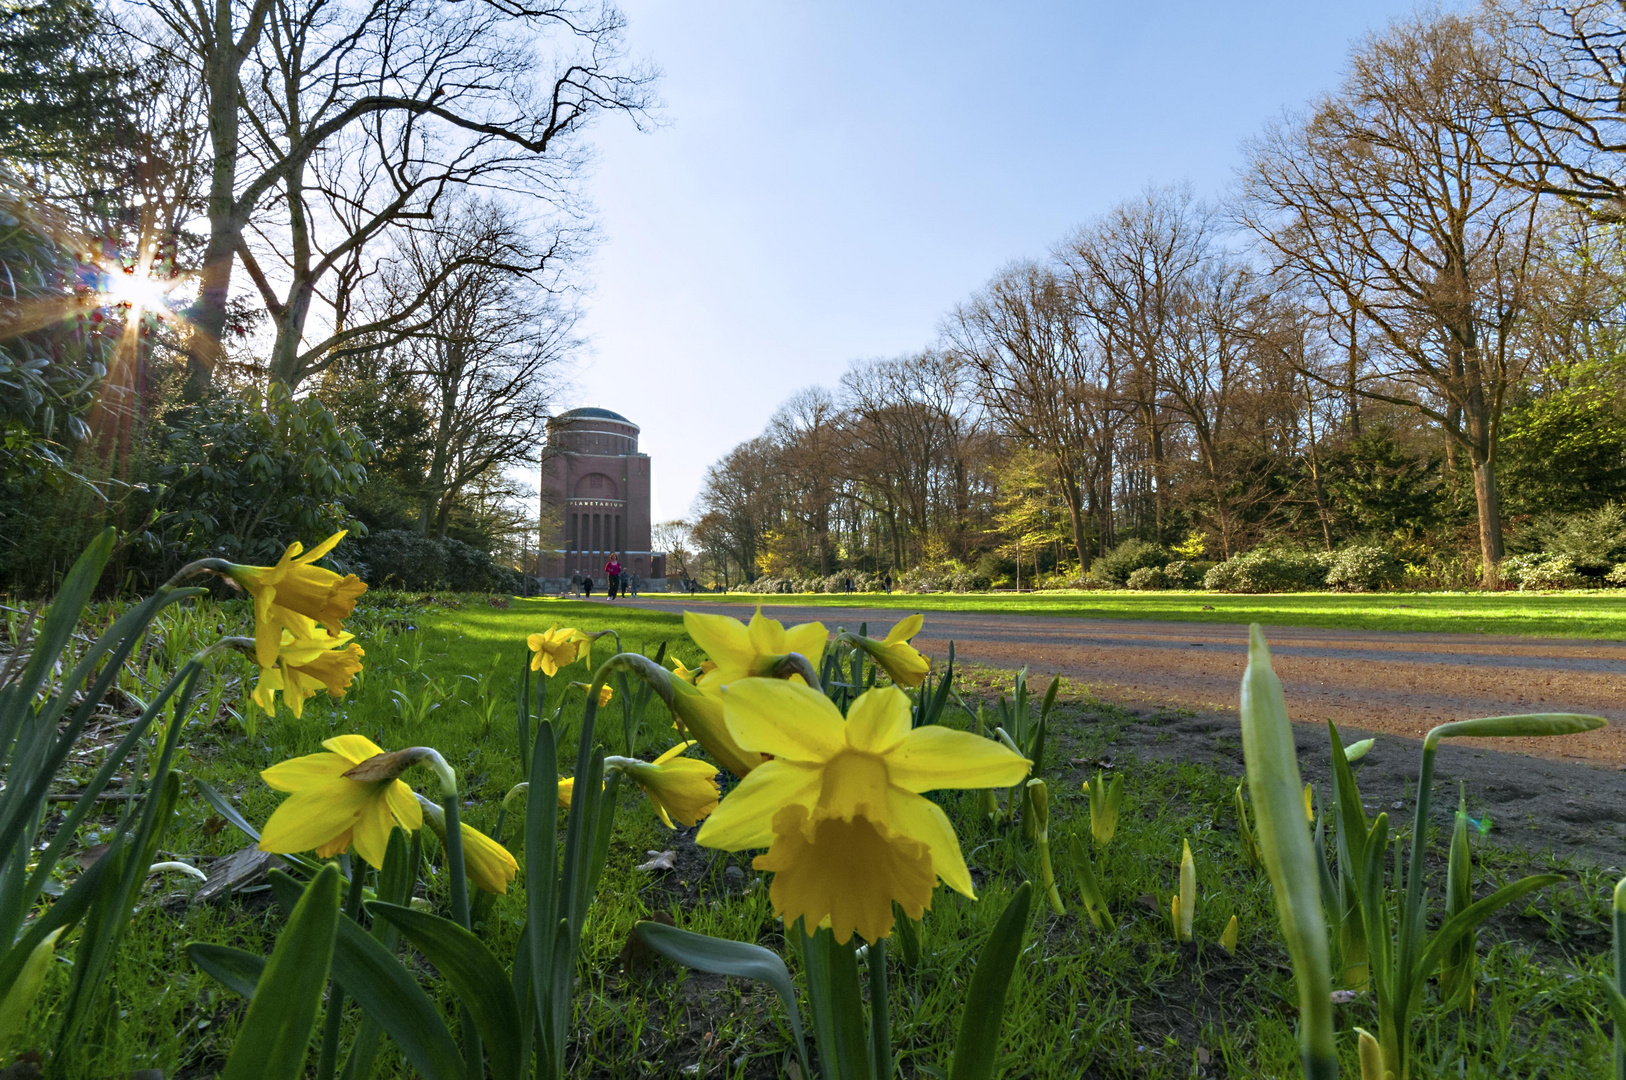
485 862
896 656
328 812
556 648
740 650
839 803
294 595
678 787
304 665
604 692
689 675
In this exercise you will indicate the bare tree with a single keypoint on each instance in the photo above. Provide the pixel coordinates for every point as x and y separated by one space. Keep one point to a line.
1039 379
1385 197
335 124
1129 271
1563 64
485 358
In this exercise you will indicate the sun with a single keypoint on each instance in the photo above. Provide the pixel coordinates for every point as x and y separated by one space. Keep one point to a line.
140 291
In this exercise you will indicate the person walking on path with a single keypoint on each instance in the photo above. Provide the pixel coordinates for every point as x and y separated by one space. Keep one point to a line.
632 585
887 581
587 586
612 575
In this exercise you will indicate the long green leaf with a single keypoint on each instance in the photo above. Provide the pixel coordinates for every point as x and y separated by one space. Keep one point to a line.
1469 918
235 969
478 981
977 1046
741 959
387 992
276 1033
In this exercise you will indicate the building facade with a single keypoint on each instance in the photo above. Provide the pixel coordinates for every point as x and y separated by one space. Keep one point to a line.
595 495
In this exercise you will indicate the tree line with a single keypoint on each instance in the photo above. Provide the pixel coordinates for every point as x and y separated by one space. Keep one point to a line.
1401 326
280 266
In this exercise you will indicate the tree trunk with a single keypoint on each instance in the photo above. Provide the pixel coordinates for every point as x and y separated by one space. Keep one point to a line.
1490 522
208 314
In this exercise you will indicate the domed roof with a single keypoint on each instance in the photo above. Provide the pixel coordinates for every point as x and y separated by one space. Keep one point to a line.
592 413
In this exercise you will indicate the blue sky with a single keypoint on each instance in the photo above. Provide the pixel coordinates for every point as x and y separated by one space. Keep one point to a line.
829 179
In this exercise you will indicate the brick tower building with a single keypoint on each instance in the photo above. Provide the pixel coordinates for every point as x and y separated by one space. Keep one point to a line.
595 489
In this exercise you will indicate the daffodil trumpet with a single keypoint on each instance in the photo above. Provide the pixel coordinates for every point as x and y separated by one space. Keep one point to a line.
486 862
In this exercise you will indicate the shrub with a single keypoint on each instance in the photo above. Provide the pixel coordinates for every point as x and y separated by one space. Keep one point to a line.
1185 574
1540 571
1265 570
1592 540
1147 577
1617 576
1115 566
1364 568
405 559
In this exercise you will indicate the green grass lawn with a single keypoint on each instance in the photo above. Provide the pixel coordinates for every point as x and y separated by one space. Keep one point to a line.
1124 1003
1592 614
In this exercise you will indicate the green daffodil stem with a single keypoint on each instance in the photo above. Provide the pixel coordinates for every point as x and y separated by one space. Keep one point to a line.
200 566
459 883
450 804
1620 974
1039 803
1285 847
796 664
880 1013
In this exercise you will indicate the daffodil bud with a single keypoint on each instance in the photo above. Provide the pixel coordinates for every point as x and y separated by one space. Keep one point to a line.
1357 750
1185 904
1227 939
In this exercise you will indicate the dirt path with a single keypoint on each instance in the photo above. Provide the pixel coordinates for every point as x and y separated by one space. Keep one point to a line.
1393 683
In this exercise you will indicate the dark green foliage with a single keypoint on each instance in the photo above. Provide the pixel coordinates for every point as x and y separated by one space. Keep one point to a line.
247 475
1115 566
59 90
1564 448
49 371
1593 540
1381 486
405 559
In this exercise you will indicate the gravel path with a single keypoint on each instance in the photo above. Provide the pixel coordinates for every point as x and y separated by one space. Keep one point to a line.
1394 683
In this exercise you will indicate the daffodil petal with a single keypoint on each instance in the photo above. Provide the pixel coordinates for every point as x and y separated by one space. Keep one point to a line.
404 806
310 818
784 719
372 835
767 635
357 748
745 818
297 774
879 720
723 638
323 548
809 639
935 757
920 818
675 752
906 629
